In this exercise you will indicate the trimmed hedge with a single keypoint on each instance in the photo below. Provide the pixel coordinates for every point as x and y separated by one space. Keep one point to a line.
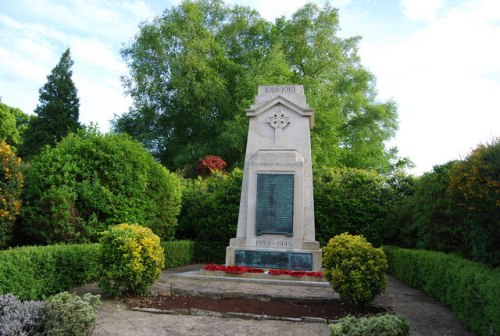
36 272
470 289
178 253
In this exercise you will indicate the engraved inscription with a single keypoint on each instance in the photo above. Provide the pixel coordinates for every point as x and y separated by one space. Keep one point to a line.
275 164
274 243
280 89
274 204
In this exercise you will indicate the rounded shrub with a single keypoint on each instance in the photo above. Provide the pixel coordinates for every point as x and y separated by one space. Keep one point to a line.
68 314
354 268
11 184
131 260
387 325
90 181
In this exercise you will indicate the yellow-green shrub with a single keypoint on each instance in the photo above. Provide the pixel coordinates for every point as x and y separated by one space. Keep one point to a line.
131 259
354 268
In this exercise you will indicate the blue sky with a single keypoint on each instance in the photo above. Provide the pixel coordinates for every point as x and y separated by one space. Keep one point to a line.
438 59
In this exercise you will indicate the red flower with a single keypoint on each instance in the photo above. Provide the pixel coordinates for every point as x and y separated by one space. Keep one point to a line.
210 164
243 269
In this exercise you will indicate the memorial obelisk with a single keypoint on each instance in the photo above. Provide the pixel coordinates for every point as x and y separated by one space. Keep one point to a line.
276 216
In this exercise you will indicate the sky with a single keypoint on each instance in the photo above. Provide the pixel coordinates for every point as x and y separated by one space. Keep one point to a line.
439 60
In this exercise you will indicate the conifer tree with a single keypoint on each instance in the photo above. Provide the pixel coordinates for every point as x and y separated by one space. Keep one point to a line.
57 111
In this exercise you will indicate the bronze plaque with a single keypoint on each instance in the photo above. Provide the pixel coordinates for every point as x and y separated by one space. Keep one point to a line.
274 204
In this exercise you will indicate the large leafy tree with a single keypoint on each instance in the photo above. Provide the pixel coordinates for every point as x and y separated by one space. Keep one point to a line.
57 112
13 124
194 69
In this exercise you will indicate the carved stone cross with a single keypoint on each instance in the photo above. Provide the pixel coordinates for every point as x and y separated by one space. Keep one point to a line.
278 121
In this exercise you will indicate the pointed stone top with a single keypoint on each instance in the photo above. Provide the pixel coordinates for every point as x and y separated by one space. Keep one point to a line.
292 96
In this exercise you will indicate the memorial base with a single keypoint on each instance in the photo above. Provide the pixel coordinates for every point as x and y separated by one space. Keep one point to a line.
291 259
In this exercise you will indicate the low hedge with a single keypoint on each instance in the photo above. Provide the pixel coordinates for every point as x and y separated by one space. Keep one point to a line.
178 253
36 272
469 288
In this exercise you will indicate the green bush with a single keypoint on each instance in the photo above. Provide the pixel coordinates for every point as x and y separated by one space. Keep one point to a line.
178 253
90 181
210 252
39 271
475 184
131 260
11 184
356 201
455 208
469 288
386 325
354 268
68 314
437 222
210 208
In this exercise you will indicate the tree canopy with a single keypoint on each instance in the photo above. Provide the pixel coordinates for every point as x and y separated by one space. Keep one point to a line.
57 111
194 69
13 124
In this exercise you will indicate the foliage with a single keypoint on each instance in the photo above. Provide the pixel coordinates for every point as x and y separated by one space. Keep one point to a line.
178 253
20 318
217 195
57 110
455 208
354 268
194 69
11 184
39 271
210 252
131 260
475 183
210 164
68 314
13 124
469 288
387 325
90 181
356 201
436 219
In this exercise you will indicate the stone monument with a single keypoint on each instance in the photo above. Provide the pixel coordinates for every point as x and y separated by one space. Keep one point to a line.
276 218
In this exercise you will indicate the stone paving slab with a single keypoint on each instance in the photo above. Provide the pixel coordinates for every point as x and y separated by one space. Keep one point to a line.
115 319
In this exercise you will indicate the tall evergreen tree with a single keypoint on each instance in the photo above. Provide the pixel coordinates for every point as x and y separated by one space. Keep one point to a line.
57 111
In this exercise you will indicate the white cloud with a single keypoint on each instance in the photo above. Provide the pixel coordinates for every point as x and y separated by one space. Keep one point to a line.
441 79
34 38
421 9
94 53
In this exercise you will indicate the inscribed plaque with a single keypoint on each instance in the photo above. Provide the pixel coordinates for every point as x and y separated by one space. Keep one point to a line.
274 204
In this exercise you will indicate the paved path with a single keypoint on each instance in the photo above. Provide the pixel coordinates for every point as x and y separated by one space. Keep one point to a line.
425 315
